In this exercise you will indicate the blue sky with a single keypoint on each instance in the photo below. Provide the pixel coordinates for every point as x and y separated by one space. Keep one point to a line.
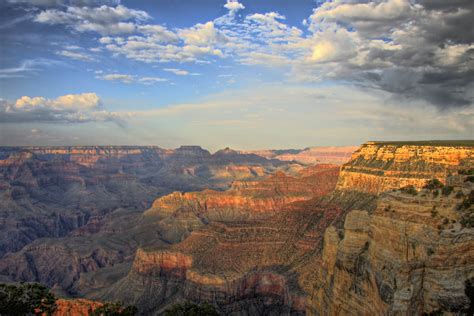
249 74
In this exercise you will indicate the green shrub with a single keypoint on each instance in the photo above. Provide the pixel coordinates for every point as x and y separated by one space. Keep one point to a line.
435 193
26 298
469 179
467 172
467 211
459 194
447 190
409 189
190 309
433 184
467 202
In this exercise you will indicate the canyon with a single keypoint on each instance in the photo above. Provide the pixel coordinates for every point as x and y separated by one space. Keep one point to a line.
250 235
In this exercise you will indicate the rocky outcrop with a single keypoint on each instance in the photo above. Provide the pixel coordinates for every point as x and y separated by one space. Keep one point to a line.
412 255
377 167
75 307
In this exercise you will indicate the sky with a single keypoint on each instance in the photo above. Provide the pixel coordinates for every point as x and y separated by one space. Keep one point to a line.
247 74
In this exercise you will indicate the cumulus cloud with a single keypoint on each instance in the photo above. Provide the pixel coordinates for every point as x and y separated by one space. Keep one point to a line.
104 19
233 6
202 35
414 49
124 78
70 108
70 101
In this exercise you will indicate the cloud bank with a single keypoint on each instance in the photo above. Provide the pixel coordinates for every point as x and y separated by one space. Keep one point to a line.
412 49
70 108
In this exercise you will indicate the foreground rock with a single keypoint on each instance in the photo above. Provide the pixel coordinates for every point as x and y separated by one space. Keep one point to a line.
412 255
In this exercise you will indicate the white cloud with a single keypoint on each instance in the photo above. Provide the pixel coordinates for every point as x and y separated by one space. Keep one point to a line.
180 72
202 35
233 6
371 43
103 19
70 108
69 101
75 55
125 78
158 33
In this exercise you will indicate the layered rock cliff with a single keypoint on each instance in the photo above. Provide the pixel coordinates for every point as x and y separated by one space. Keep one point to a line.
413 255
70 217
410 254
285 243
377 167
52 191
237 249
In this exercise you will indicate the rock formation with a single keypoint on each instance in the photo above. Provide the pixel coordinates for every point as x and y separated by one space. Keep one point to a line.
412 255
75 307
377 167
377 238
52 191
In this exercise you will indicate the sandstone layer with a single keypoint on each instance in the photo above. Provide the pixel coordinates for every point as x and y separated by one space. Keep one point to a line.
377 167
413 255
70 217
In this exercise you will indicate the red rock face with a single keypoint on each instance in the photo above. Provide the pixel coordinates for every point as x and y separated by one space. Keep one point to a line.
275 243
378 167
267 195
246 247
75 307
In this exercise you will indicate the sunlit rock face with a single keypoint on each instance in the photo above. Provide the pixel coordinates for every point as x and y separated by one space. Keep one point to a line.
377 167
414 253
243 249
399 260
75 307
336 253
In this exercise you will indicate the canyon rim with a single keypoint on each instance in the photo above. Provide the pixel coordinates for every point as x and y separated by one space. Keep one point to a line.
236 157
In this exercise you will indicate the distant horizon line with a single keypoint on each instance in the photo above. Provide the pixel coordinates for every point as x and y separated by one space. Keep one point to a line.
467 142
